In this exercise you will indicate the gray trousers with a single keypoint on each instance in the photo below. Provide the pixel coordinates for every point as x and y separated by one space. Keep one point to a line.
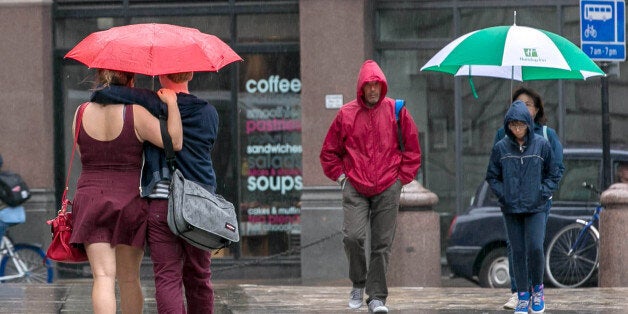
381 212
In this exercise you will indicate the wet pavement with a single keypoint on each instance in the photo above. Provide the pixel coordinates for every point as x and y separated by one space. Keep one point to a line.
458 296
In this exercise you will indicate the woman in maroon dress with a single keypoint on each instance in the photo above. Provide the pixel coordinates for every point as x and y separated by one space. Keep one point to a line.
110 216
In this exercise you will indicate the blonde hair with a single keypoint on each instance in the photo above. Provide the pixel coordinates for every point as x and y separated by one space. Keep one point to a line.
113 77
180 77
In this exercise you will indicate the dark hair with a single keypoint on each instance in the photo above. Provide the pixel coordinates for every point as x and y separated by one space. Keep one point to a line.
538 103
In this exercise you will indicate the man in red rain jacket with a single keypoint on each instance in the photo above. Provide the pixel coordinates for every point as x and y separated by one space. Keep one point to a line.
362 153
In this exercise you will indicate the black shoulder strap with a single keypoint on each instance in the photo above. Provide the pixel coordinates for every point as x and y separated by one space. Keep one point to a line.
167 140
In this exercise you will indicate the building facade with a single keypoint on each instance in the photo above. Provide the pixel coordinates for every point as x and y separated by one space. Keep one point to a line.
273 109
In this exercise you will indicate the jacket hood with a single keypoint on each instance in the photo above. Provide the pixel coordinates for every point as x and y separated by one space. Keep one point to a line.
518 112
370 72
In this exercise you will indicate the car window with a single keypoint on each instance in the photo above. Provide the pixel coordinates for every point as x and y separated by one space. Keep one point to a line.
576 172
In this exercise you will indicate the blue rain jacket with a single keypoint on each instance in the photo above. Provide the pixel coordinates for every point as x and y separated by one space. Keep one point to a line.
523 177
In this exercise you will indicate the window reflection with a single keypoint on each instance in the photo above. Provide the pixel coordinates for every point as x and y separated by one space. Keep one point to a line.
269 113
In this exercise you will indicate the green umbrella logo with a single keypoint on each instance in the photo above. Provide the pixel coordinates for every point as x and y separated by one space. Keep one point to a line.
531 55
530 52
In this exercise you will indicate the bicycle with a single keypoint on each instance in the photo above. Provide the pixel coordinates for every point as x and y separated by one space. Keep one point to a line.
573 254
23 262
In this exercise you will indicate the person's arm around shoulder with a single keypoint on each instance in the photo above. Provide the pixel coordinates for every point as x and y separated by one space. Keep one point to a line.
147 126
411 155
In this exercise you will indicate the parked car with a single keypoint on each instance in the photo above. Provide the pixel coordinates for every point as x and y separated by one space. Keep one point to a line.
476 245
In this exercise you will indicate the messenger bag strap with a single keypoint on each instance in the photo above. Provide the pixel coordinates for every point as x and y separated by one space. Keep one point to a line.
167 140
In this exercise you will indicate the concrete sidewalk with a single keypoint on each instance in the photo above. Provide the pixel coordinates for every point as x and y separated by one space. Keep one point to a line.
73 296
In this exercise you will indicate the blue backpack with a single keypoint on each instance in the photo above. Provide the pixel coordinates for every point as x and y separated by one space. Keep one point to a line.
399 103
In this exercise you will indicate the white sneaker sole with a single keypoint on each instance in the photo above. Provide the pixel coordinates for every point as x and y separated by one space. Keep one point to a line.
355 306
380 309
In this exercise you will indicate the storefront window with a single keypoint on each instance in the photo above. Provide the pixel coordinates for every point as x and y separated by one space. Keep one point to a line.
270 153
268 27
539 17
414 24
217 25
69 32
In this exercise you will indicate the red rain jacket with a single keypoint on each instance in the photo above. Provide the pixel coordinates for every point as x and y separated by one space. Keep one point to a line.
362 141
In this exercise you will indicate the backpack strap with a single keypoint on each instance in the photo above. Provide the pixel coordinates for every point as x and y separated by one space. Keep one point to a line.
399 103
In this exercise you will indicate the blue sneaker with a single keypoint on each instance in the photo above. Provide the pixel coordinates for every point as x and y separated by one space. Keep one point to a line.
538 299
523 304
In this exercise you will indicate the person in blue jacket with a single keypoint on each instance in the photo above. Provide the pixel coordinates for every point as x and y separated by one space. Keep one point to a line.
522 174
535 106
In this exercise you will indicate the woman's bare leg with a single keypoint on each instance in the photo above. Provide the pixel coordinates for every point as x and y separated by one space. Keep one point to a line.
102 259
128 261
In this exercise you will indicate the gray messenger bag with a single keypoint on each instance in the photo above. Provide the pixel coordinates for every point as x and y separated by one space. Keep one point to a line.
203 219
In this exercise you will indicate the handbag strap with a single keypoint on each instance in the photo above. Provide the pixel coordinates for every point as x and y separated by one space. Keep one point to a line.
167 141
77 128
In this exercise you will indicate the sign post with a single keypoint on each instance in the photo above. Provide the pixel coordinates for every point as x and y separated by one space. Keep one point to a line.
603 38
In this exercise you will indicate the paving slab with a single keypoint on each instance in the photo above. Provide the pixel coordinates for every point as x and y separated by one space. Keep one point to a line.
315 299
74 296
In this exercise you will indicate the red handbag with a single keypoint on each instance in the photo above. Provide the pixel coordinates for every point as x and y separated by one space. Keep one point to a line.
60 249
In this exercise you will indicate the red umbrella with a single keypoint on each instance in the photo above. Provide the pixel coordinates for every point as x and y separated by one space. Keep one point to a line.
153 49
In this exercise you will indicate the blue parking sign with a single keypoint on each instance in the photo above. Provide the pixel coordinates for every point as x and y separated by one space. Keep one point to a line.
602 29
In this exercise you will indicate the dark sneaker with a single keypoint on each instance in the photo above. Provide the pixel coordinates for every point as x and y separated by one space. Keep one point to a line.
355 298
377 306
538 299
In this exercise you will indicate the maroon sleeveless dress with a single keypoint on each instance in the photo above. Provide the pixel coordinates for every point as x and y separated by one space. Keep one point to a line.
107 206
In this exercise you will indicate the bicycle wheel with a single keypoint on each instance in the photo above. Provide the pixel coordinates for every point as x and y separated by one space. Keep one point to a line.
38 267
565 270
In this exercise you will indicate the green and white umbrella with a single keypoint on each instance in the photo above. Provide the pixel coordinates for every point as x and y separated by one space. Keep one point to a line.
514 52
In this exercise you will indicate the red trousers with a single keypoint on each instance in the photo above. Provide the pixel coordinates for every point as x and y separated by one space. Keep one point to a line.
177 264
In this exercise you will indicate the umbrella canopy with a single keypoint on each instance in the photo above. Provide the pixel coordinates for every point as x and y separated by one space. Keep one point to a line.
514 52
153 49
